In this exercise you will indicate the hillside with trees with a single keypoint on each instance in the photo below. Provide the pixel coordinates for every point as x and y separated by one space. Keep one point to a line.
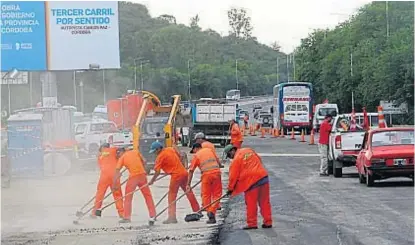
371 54
170 53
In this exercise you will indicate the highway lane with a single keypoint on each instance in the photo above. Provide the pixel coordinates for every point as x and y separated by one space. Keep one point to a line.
308 209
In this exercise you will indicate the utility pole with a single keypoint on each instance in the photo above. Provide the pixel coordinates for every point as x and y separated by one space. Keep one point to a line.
188 85
135 74
278 71
74 87
387 20
103 83
81 85
141 75
351 63
288 72
30 89
294 66
236 74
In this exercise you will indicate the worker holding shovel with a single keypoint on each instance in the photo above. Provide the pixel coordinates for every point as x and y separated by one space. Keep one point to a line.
133 161
248 175
206 160
107 160
168 160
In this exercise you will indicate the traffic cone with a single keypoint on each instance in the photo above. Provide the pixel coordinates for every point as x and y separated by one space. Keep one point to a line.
282 133
276 133
302 136
262 132
312 137
292 134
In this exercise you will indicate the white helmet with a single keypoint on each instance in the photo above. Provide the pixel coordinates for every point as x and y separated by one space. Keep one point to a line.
199 135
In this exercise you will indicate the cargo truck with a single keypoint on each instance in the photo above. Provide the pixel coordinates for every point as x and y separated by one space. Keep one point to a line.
212 118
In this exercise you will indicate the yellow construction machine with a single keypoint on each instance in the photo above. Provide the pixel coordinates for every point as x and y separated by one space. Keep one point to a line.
156 122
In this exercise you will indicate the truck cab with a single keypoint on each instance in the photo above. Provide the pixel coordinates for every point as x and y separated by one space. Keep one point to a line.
321 111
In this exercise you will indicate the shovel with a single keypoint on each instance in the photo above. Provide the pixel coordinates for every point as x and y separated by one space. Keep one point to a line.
79 213
153 220
158 203
196 216
98 212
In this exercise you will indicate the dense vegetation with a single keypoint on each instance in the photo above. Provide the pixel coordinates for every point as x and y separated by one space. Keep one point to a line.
382 65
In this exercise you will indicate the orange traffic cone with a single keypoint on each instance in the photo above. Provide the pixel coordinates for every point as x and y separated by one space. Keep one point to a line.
302 136
262 132
312 137
292 134
282 133
276 133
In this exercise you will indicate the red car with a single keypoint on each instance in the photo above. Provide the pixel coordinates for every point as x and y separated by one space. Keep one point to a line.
386 153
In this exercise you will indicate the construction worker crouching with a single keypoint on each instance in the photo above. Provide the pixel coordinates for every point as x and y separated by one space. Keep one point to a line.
107 161
133 161
168 160
236 134
248 175
206 160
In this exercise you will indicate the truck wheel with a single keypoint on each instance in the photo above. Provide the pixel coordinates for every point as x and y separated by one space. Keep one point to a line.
370 181
330 168
337 172
93 149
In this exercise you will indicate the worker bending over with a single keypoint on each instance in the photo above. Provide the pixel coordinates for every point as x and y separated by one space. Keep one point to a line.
107 161
201 139
133 161
248 175
206 160
236 134
168 160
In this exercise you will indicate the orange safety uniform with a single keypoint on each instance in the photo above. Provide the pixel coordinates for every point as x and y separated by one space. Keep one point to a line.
247 174
169 161
107 161
207 144
208 164
236 136
133 161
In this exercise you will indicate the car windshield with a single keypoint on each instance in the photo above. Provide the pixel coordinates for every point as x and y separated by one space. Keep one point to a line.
327 111
388 138
153 128
103 128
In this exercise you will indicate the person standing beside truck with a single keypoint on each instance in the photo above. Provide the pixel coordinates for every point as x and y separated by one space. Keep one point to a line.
236 134
323 144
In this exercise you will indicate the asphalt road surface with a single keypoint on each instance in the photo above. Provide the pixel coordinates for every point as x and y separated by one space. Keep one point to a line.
309 209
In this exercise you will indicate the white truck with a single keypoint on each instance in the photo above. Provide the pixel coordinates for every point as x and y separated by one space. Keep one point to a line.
213 120
322 110
344 146
91 134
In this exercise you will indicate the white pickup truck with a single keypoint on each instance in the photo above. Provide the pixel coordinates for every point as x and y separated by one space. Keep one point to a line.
91 134
344 146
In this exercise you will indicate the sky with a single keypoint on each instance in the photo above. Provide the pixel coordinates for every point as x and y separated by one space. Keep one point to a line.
273 20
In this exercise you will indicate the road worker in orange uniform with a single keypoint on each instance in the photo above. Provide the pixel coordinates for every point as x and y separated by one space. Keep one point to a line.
107 161
207 162
200 138
168 160
248 175
236 134
133 161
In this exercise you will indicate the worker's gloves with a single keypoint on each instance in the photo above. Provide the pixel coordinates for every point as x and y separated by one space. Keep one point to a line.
229 192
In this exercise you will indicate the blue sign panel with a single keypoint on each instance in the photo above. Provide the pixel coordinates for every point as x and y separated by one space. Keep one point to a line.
23 36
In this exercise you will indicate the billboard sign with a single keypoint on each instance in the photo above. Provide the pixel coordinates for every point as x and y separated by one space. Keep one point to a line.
21 78
23 39
60 35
